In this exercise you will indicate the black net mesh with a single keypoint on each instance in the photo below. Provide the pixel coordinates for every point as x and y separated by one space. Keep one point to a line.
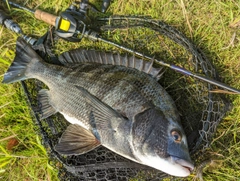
200 109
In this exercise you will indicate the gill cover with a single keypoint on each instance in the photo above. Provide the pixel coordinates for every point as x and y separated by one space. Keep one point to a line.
149 133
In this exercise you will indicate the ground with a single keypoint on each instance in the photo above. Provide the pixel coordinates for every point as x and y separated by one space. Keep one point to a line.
213 25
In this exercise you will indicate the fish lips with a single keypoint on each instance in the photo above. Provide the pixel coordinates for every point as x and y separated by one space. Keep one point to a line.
187 165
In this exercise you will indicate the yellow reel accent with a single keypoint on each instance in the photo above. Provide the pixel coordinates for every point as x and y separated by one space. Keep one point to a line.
64 25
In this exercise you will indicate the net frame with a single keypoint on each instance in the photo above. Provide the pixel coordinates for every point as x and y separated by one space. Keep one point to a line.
101 163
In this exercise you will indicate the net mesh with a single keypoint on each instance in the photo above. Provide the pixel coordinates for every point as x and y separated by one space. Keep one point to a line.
200 109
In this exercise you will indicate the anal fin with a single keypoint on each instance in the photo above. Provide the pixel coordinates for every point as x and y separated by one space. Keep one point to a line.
76 140
46 108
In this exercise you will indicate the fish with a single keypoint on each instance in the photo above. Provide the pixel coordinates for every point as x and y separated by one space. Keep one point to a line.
110 100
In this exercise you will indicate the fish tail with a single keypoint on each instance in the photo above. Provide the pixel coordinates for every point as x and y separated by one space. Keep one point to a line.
21 63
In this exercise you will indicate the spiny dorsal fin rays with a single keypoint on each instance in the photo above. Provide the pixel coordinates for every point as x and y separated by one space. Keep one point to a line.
150 66
83 56
113 60
125 61
156 72
133 61
160 74
119 59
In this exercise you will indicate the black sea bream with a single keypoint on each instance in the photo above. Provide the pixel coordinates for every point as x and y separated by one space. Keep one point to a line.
109 100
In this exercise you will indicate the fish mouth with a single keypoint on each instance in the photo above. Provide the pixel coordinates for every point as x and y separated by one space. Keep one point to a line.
185 164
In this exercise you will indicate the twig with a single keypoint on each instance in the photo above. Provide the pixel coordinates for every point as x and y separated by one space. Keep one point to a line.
186 17
9 137
219 91
5 105
231 44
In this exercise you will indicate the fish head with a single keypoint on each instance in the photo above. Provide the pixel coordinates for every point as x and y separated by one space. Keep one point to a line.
161 143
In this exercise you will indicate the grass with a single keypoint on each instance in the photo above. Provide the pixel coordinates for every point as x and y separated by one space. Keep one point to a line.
211 24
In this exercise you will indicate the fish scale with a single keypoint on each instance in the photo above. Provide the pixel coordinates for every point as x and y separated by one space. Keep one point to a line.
150 91
106 85
63 93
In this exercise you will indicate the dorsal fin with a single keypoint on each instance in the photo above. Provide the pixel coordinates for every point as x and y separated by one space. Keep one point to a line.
83 56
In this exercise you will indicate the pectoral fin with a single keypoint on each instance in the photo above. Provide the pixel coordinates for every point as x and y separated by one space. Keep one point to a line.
102 115
76 141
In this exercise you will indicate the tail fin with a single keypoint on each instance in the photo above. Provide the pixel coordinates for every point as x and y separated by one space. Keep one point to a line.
24 55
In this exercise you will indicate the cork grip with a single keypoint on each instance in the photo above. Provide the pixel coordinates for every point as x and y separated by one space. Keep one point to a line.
46 17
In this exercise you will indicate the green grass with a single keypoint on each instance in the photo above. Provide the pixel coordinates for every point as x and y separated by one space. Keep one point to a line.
206 22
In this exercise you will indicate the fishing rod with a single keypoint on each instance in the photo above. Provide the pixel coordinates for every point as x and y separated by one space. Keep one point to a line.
8 22
176 68
74 24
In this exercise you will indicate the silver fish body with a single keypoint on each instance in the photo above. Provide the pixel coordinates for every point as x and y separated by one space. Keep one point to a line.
118 106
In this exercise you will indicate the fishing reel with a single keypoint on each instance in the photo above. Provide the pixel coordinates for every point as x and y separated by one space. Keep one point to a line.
74 23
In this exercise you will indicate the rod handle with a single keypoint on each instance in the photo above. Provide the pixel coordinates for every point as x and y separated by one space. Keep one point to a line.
46 17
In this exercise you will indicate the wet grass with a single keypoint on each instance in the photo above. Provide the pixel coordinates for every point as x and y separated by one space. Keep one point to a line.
213 25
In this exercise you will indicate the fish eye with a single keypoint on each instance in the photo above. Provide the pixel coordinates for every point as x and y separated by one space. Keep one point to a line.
176 136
